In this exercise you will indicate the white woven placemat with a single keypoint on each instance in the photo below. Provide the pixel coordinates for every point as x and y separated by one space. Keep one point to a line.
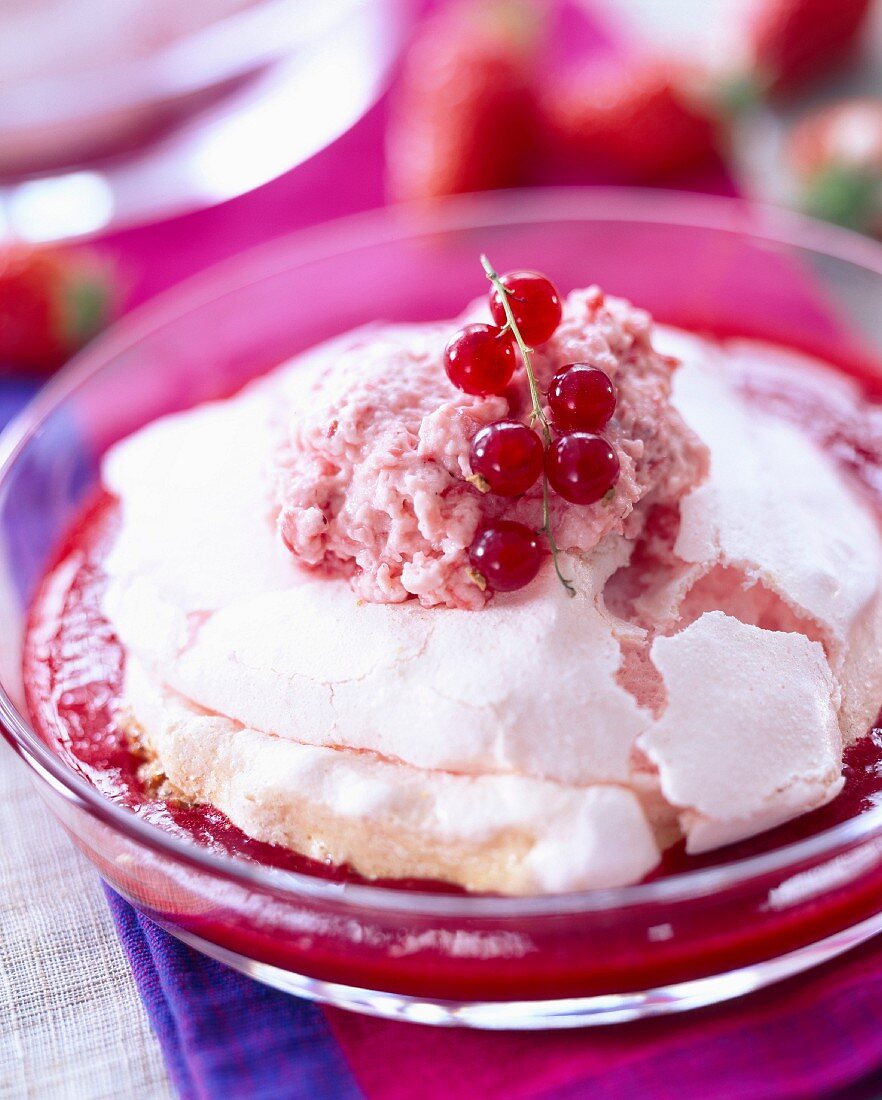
71 1024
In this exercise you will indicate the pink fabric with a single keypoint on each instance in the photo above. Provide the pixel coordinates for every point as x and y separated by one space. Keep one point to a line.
810 1037
154 257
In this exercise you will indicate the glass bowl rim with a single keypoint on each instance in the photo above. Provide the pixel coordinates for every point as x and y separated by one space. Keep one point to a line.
372 228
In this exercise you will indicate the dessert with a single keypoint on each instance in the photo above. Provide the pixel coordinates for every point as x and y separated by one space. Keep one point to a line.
429 603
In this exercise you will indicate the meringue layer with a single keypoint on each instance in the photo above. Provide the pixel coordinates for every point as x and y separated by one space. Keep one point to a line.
515 749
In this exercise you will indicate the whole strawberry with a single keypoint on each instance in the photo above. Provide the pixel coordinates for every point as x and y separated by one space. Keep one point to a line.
792 42
633 124
836 157
461 117
51 302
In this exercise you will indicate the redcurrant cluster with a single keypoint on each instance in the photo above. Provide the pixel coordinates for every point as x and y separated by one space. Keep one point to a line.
508 457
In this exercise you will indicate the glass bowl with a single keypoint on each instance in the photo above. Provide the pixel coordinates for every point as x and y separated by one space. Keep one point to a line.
494 962
173 107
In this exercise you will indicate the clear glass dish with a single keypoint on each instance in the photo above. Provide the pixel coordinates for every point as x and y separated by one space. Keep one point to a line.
493 962
169 108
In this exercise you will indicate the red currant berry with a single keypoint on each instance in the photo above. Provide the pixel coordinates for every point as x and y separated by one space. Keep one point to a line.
480 360
507 555
581 398
508 456
581 467
535 305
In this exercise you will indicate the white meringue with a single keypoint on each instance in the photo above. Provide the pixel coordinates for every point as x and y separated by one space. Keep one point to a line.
499 749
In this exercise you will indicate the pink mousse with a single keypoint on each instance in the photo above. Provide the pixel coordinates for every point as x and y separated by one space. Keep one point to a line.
371 471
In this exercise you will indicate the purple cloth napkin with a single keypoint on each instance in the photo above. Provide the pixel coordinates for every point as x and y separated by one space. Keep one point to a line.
222 1034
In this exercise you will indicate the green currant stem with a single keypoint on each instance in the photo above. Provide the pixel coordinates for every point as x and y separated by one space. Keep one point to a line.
536 415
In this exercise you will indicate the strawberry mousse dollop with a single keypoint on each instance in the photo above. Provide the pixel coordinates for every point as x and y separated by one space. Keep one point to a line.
372 473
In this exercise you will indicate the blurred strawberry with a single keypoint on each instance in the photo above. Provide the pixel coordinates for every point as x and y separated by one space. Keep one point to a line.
51 302
638 124
792 42
462 116
836 155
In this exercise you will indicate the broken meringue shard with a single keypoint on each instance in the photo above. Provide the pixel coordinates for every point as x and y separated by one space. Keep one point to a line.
308 652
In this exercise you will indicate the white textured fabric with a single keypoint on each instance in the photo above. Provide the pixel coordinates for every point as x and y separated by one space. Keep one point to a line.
71 1024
